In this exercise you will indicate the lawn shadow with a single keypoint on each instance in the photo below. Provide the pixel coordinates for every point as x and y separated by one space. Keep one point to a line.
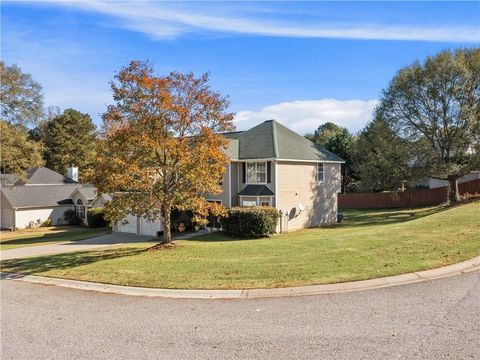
35 265
222 237
370 217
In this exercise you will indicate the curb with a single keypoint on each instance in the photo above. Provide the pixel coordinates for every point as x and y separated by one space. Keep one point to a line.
403 279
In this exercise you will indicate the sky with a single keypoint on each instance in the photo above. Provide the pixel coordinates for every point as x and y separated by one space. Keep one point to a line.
301 63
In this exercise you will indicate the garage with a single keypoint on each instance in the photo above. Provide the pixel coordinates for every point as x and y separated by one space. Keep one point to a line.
140 226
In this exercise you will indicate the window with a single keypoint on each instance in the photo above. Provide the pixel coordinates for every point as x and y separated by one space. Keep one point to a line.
249 201
215 201
265 203
320 172
80 209
257 172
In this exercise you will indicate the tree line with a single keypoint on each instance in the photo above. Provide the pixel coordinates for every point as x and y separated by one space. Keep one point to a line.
161 141
32 135
427 124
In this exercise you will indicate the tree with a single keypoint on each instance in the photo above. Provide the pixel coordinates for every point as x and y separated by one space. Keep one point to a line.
18 153
69 139
435 105
162 149
383 159
21 97
338 140
325 132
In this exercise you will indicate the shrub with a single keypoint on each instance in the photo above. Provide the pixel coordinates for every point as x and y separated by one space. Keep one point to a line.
96 218
71 217
46 223
256 221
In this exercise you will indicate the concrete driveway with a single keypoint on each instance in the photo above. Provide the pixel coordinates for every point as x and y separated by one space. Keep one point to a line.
94 243
439 319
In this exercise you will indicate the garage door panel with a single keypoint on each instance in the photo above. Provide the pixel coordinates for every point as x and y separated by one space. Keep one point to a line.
150 228
130 227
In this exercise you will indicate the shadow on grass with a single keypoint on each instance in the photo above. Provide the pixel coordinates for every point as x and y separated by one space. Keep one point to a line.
369 217
222 237
40 264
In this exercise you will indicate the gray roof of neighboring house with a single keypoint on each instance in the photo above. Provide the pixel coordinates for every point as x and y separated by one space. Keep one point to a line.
44 176
272 140
8 179
256 190
88 192
38 195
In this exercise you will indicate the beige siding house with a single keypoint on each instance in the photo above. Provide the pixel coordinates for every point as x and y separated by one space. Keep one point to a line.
273 166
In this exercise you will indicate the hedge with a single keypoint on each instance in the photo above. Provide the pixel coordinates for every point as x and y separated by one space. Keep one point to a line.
96 218
255 221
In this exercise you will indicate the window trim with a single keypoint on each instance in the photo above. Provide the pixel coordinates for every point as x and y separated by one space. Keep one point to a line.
323 172
256 182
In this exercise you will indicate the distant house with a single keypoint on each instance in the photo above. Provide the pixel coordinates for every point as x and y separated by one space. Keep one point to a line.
273 166
432 183
45 194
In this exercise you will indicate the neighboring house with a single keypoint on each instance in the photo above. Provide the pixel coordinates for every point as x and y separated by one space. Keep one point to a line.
432 183
45 194
273 166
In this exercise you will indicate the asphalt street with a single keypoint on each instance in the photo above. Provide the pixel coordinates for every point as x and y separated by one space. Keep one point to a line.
437 319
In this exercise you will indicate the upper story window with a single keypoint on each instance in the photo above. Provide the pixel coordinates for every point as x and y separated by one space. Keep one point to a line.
257 172
320 172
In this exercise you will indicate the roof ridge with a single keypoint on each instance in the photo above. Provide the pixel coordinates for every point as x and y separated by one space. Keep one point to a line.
274 139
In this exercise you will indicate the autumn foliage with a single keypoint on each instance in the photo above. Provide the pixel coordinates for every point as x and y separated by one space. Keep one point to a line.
162 149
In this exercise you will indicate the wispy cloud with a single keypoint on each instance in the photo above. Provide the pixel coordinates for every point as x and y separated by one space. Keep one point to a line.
166 21
305 116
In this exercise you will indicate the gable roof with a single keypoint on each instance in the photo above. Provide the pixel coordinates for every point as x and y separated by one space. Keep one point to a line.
87 192
38 195
272 140
44 176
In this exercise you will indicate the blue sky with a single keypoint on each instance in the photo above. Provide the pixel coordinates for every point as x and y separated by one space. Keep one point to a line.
303 63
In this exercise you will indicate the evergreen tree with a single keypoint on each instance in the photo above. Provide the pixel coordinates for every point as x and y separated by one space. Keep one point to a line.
70 139
383 159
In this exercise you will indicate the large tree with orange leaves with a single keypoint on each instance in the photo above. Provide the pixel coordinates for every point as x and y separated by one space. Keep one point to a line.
162 147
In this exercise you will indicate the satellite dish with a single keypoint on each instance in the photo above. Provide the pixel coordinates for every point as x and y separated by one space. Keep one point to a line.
301 207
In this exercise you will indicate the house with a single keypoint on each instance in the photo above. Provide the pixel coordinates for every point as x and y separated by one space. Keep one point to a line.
45 194
273 166
432 183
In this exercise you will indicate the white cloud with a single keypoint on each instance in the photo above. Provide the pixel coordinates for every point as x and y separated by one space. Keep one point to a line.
166 21
305 116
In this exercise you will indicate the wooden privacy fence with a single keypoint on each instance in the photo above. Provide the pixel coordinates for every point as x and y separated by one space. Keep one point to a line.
397 199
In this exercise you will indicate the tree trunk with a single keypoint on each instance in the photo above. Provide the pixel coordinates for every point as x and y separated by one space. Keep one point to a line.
167 235
453 194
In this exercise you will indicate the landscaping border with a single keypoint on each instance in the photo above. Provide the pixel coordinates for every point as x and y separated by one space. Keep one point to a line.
403 279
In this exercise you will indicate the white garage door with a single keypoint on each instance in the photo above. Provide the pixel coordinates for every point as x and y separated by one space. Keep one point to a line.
150 228
130 227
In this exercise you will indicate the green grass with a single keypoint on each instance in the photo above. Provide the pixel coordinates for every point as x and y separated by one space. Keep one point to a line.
370 244
44 236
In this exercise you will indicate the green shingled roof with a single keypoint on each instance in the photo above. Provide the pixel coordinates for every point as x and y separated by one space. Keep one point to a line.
272 140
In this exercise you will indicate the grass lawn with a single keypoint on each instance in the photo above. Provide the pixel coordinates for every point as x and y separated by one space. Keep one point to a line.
45 235
370 244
